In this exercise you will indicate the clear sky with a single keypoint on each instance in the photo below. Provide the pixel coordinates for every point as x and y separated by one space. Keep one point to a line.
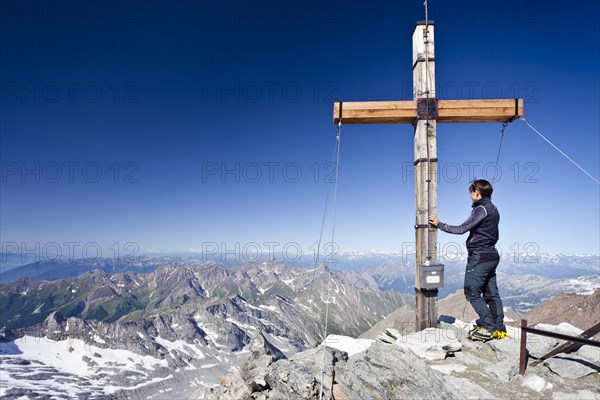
177 125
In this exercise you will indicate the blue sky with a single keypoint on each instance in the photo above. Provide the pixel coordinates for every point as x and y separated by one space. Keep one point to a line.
173 125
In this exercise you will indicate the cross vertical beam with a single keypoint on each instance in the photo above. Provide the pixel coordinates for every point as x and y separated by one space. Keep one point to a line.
425 169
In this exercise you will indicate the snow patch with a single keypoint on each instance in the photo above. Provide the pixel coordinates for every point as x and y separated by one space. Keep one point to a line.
180 346
86 365
349 345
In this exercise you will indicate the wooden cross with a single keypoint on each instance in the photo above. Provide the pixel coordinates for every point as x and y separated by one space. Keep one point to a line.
424 112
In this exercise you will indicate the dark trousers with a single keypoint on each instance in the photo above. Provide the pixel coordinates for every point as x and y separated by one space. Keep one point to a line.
481 290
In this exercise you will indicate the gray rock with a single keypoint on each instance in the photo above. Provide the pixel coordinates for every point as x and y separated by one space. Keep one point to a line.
431 343
448 369
474 345
393 333
458 327
232 387
332 358
579 395
537 345
391 372
589 353
505 370
469 390
536 383
294 379
386 339
267 374
563 327
301 375
571 366
468 358
349 345
508 347
262 354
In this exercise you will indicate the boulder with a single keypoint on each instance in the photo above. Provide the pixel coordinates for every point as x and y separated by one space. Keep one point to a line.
536 383
571 366
231 387
393 333
509 347
294 380
390 335
251 377
302 374
564 327
589 353
538 345
262 354
391 372
579 395
505 370
386 339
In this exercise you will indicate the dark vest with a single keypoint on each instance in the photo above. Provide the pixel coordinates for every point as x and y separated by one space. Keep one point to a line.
484 236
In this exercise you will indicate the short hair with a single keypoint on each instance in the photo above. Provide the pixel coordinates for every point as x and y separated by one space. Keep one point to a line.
482 186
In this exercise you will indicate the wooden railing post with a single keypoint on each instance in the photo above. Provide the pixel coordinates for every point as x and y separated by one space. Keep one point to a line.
523 353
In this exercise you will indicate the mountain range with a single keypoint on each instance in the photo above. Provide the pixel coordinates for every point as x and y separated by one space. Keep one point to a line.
185 318
174 324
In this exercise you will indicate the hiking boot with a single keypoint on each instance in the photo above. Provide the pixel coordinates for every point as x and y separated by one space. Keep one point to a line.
480 333
474 328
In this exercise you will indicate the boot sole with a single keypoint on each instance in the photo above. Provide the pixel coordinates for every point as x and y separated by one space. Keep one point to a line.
477 339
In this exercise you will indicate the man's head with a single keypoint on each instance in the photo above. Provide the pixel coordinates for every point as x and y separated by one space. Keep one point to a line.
480 188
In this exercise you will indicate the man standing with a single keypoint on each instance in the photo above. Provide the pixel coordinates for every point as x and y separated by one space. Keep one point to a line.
481 289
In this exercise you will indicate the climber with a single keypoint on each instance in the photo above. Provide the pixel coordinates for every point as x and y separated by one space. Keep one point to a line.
481 289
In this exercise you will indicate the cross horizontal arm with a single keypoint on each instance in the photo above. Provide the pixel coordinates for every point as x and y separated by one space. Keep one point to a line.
405 112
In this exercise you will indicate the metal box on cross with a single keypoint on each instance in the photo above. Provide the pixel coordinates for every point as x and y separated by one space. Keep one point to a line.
432 276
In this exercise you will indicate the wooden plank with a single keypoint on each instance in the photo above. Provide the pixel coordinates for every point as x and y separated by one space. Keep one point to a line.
479 110
423 76
405 112
425 177
376 112
418 51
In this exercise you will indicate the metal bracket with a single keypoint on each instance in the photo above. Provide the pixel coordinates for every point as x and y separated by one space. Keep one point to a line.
422 159
422 226
516 111
427 108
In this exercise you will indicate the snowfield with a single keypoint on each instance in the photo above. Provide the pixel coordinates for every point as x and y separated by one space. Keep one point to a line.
74 367
32 367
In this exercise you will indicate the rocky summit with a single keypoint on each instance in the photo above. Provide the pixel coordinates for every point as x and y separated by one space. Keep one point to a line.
438 363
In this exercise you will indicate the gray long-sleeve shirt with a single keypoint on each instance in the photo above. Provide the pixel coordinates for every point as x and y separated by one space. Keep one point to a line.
482 225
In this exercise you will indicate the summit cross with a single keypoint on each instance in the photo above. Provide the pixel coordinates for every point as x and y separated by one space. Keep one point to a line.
424 112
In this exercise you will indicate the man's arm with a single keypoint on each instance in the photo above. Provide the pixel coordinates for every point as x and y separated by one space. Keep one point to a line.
477 215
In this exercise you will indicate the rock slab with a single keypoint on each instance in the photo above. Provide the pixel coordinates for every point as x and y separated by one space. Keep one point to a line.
431 343
571 366
391 372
